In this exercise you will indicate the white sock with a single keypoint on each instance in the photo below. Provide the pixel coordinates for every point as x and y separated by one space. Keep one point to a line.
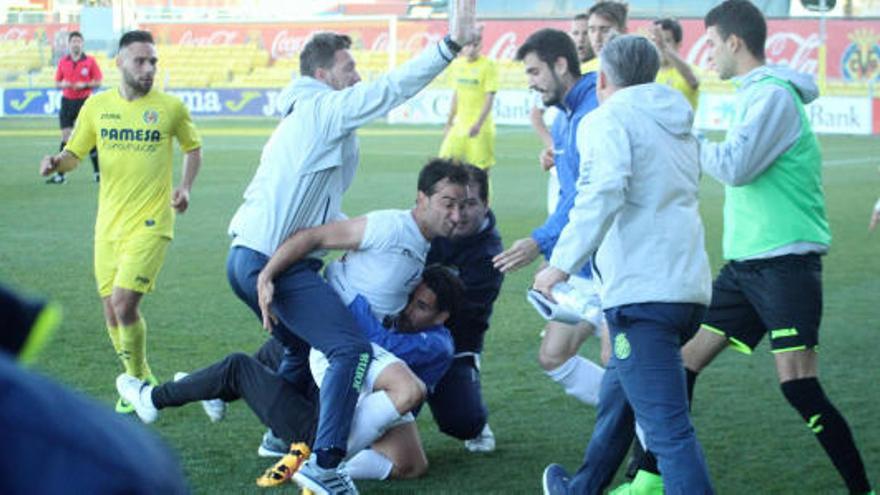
580 378
402 420
374 414
369 465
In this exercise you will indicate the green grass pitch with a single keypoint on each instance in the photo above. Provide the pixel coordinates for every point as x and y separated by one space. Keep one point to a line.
753 440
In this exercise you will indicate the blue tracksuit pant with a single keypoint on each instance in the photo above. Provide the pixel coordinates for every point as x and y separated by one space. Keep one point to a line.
310 314
646 376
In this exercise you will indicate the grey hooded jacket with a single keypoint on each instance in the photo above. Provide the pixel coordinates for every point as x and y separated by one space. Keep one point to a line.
638 211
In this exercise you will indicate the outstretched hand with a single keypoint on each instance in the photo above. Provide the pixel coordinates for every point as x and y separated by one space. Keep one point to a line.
463 22
518 255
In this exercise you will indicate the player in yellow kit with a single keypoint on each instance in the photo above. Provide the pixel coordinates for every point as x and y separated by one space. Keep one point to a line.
470 129
133 128
674 70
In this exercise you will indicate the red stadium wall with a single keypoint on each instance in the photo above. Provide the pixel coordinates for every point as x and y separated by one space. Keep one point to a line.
54 35
853 45
853 49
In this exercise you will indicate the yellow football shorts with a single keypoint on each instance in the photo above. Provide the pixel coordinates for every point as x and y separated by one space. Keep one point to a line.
132 263
479 151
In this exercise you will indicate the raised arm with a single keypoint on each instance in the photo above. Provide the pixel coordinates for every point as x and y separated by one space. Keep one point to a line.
353 107
674 58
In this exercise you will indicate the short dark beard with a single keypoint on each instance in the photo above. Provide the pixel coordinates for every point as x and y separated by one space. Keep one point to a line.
557 91
402 324
136 87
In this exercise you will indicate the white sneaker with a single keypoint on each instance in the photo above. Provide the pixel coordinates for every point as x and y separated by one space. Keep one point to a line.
137 393
214 408
484 442
324 481
272 446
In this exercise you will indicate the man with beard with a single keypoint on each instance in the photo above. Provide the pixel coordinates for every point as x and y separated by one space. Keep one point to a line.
586 55
133 128
386 252
305 169
637 219
551 64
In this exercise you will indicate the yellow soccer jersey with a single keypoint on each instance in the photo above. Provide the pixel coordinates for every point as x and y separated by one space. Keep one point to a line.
472 81
671 77
134 141
591 65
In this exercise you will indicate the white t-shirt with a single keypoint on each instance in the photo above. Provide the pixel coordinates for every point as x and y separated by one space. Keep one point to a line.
386 267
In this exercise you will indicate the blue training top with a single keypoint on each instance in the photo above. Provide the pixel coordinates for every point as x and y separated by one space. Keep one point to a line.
428 353
579 101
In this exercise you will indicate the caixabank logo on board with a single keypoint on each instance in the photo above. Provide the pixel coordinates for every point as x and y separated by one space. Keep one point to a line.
861 59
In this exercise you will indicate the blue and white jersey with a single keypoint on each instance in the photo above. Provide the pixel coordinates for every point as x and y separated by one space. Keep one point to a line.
386 267
428 353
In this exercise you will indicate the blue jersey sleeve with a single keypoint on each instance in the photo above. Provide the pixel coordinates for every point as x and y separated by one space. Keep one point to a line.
581 100
427 353
547 234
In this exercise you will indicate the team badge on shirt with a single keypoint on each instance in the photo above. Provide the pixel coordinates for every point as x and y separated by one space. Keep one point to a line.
151 117
84 71
622 349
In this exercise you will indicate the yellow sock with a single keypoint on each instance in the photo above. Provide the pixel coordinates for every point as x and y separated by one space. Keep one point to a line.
113 332
133 349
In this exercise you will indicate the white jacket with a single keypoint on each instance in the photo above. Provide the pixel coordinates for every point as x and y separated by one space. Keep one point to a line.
637 211
311 157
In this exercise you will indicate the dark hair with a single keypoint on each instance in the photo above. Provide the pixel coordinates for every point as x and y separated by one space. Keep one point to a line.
583 16
669 24
550 44
478 176
438 169
743 19
74 34
615 12
446 285
320 52
135 37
